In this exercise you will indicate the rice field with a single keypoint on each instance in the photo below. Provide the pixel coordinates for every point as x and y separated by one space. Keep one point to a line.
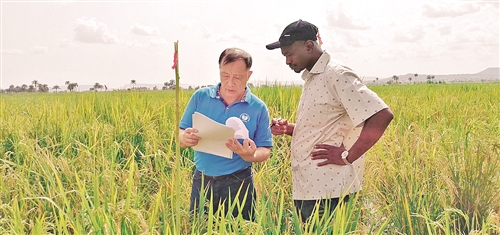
107 163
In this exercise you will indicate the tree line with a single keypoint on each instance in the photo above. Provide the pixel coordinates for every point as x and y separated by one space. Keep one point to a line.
35 86
395 79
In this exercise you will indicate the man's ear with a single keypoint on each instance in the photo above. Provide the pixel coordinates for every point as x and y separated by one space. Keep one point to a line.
249 74
309 45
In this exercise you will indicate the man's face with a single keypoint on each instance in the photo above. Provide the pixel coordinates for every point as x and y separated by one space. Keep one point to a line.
296 56
234 77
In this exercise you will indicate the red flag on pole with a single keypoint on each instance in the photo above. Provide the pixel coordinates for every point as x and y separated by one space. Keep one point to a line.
175 61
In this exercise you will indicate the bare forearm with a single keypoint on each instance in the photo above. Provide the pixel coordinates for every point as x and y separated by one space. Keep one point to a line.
373 129
261 154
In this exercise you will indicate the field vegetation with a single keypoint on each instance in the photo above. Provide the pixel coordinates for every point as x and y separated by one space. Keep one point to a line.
107 163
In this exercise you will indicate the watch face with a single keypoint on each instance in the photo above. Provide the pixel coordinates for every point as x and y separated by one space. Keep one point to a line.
344 154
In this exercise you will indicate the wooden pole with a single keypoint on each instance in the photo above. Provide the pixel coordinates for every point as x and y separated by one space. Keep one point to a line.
177 142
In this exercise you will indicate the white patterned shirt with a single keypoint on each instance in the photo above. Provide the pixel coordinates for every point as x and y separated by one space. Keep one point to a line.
332 109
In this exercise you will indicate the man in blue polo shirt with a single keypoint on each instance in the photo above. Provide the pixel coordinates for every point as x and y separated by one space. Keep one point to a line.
223 177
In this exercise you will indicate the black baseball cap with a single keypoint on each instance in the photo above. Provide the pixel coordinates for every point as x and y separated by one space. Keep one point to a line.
297 31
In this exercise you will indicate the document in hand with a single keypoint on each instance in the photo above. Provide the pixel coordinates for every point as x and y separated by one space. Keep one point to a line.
213 136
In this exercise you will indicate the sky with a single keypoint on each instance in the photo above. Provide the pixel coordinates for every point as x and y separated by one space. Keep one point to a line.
114 42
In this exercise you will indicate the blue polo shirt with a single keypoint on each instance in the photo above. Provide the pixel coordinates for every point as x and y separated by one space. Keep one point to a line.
251 110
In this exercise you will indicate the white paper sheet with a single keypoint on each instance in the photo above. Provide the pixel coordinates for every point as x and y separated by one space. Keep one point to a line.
213 136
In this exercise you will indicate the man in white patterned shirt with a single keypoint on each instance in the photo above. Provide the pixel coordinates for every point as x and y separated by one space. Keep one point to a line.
338 120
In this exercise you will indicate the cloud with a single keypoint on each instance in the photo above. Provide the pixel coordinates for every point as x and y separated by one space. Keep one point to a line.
337 17
409 35
437 10
66 43
40 50
130 43
188 23
158 42
456 47
144 30
355 39
444 30
206 32
432 52
88 30
235 36
390 54
240 36
12 51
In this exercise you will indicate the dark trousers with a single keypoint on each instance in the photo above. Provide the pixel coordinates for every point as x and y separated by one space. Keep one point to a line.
305 207
224 190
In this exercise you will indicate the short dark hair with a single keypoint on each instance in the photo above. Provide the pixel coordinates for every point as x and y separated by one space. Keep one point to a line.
232 54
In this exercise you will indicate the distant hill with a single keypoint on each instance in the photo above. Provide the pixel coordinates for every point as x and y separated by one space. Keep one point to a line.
487 75
490 71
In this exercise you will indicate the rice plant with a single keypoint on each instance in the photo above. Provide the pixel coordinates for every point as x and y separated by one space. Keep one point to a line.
104 163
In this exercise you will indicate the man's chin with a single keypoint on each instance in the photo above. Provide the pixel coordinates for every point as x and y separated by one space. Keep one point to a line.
296 69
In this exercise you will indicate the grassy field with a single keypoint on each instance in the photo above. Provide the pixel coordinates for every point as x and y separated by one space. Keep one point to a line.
106 163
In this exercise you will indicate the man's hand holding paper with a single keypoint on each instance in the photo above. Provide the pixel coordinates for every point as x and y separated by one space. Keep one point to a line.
189 137
245 150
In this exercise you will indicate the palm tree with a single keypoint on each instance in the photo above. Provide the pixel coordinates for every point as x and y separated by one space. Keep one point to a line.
132 82
43 88
31 88
56 87
11 88
67 83
35 83
169 85
72 86
416 75
395 78
97 86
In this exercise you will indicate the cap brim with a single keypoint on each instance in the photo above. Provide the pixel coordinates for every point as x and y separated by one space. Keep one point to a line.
273 45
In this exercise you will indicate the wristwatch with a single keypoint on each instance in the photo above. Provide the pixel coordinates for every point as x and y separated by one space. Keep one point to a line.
344 157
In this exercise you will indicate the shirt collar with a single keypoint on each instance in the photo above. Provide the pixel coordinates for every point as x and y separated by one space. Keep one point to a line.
319 66
215 93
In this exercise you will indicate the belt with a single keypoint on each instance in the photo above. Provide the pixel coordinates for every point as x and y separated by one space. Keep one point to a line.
238 174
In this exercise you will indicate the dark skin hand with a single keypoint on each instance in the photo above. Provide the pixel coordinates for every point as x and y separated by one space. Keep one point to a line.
330 153
372 130
281 126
